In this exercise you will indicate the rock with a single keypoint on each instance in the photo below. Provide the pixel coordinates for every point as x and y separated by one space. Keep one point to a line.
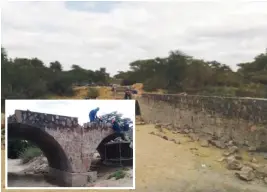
261 171
176 141
221 159
204 143
245 174
165 137
218 144
92 176
246 143
158 126
253 165
238 157
233 163
231 143
252 149
193 136
254 160
226 154
152 133
140 123
186 131
265 180
191 131
233 149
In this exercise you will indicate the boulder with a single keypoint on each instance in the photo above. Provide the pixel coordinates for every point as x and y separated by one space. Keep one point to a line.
233 163
246 174
165 137
204 143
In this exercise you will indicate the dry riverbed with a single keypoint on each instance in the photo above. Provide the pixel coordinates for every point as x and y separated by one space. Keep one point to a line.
179 164
32 174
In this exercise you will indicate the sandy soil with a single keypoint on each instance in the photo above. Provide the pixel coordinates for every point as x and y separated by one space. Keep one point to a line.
165 166
31 174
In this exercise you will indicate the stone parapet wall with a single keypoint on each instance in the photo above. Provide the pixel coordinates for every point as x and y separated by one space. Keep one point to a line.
241 119
43 120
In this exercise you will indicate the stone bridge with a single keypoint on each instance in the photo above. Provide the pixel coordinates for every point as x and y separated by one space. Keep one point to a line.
243 120
68 146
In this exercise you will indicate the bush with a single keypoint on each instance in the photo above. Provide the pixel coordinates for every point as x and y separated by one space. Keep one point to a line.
118 175
16 146
29 154
93 93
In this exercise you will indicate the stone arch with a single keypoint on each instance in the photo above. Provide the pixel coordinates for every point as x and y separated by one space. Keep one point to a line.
101 147
52 150
137 108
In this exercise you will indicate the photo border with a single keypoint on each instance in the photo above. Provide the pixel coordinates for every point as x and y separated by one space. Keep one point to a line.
66 188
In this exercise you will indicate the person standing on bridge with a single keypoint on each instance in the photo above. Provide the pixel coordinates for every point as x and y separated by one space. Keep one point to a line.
116 126
93 114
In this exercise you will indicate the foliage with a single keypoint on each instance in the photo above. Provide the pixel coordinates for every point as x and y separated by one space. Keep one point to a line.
121 120
24 78
29 154
182 73
16 147
119 174
93 93
117 116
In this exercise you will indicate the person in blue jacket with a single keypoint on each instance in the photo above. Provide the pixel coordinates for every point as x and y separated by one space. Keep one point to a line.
92 114
126 126
116 126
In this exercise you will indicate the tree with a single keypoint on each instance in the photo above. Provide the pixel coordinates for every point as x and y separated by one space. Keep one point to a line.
55 66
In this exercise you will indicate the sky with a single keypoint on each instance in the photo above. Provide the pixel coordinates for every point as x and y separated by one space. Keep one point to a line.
73 108
113 34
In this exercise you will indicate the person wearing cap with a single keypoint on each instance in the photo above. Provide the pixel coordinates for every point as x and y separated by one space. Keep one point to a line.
92 114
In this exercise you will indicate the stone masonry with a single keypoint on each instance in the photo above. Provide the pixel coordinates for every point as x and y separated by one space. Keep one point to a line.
68 146
243 120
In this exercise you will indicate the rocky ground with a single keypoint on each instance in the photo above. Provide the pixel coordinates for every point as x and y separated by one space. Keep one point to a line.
243 163
39 166
176 161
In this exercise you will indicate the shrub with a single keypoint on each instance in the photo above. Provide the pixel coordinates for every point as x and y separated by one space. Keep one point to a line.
29 154
118 175
93 93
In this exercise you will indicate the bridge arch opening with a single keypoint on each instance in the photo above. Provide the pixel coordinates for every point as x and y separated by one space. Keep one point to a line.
51 149
137 108
115 152
101 147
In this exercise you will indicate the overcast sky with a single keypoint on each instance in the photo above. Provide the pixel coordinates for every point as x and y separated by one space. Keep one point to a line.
112 34
73 108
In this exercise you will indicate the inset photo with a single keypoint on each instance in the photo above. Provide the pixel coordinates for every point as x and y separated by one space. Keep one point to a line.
70 143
